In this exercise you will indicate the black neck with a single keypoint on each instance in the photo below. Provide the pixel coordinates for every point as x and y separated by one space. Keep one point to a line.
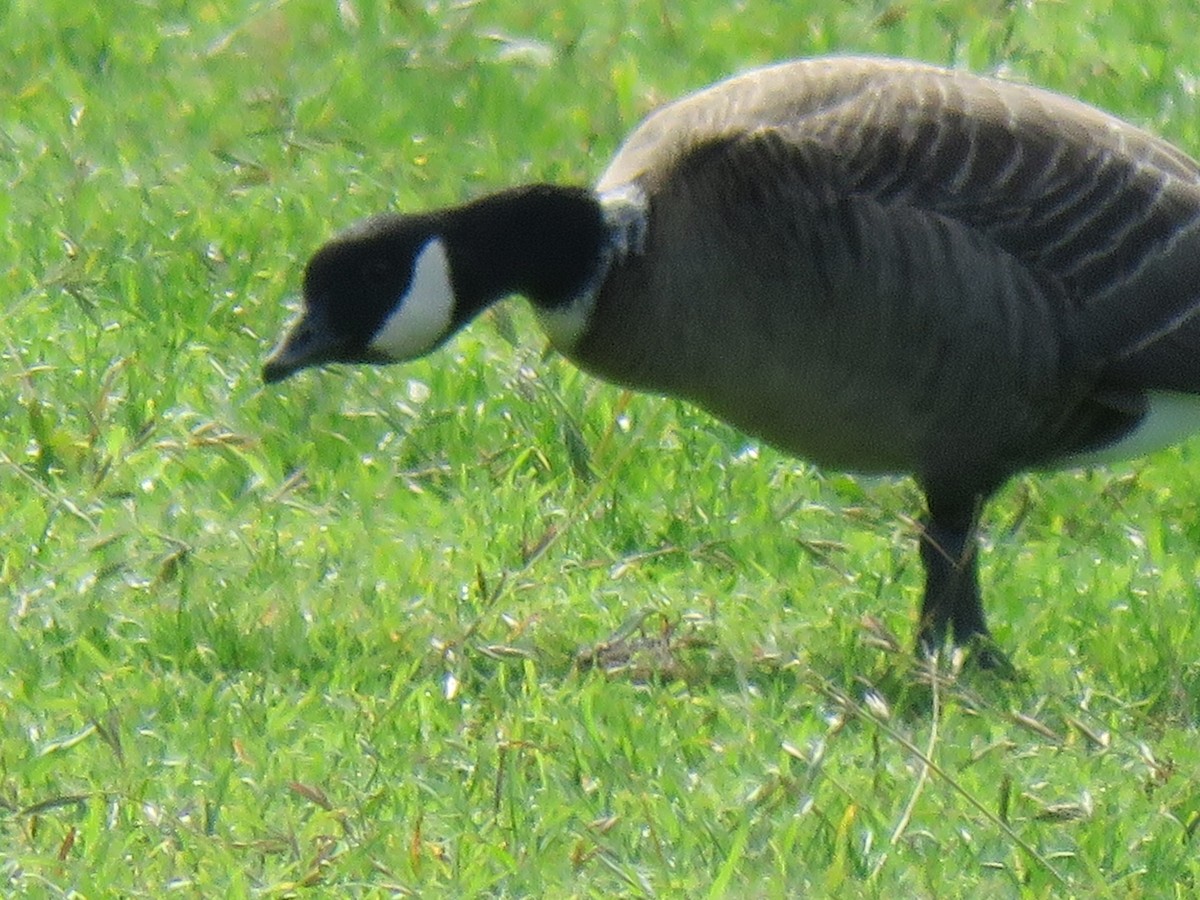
542 241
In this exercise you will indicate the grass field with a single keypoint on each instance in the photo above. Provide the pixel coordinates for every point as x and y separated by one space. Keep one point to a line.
479 625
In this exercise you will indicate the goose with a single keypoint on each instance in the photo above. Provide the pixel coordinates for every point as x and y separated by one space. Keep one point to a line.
874 264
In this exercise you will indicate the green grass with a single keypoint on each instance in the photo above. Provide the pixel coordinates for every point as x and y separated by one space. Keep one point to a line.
480 626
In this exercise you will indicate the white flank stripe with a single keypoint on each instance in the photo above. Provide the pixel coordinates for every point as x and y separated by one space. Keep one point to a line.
423 314
1170 418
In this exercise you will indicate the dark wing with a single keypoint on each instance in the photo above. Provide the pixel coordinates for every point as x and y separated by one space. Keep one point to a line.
1022 208
1105 212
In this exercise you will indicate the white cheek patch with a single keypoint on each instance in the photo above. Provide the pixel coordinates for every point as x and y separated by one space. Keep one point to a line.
423 315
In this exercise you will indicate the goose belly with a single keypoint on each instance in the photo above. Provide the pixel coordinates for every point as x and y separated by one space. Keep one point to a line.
836 419
869 433
857 400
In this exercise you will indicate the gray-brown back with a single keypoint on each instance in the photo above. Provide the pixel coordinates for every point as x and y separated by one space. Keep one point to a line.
885 266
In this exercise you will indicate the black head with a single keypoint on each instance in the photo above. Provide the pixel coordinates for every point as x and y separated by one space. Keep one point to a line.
386 291
353 285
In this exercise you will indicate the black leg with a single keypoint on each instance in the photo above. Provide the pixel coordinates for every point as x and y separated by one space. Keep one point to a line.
952 606
952 603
